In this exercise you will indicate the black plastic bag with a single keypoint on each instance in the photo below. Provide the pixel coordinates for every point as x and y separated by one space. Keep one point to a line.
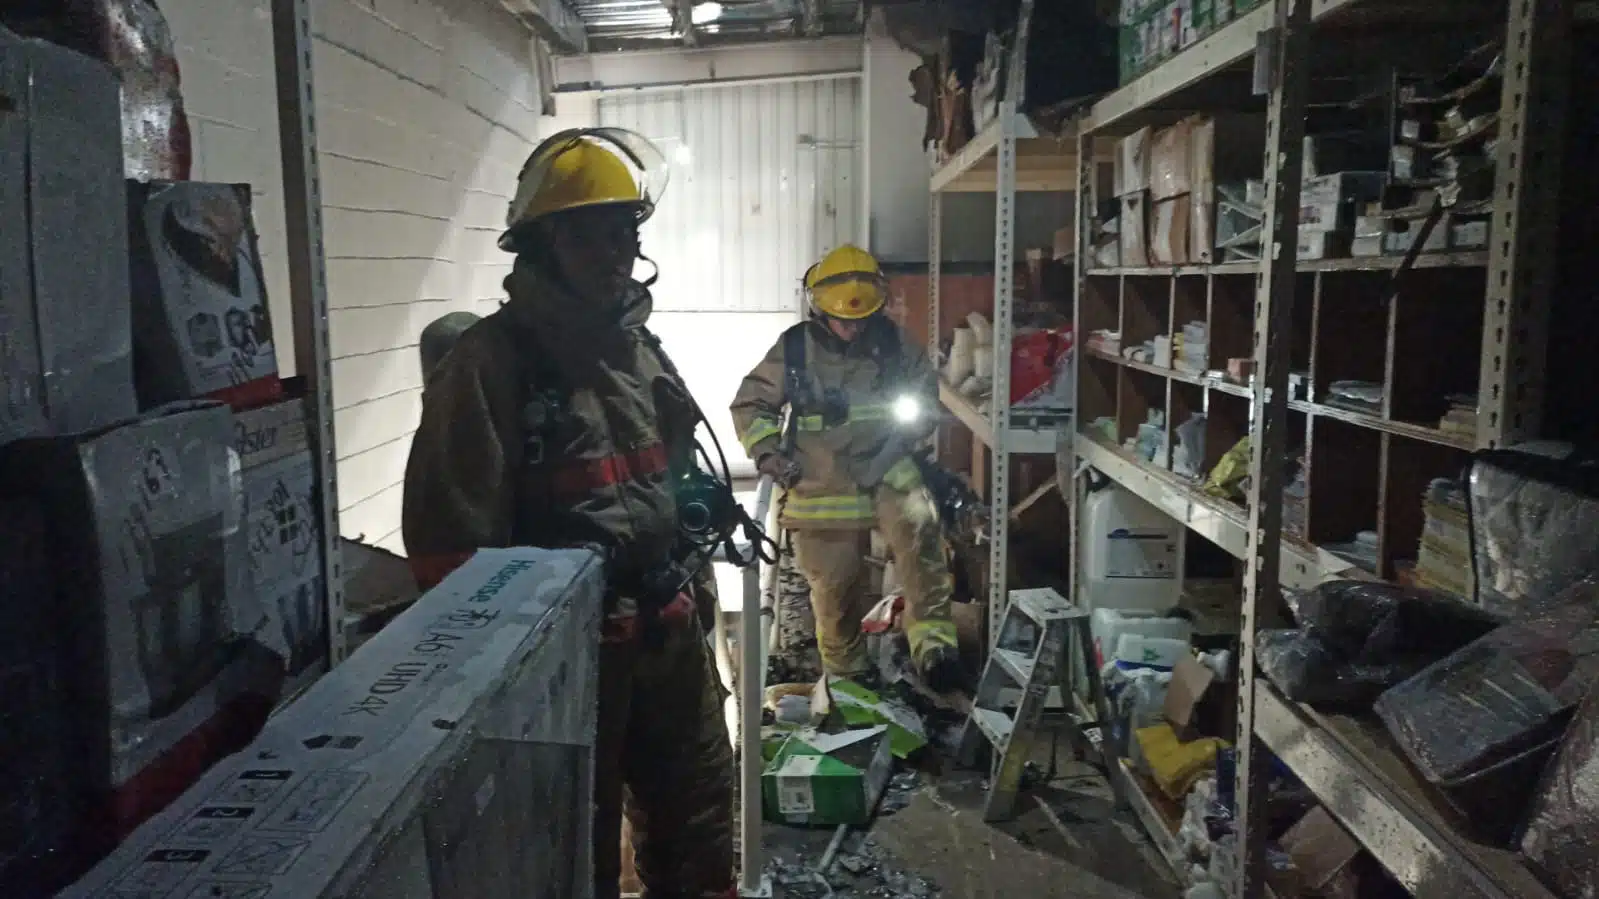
1500 696
1532 524
1359 638
1562 838
1378 622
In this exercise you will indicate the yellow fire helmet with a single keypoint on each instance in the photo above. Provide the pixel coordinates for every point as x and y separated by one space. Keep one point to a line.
847 284
586 167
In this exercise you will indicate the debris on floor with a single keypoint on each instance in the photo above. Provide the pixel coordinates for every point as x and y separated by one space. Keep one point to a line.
862 869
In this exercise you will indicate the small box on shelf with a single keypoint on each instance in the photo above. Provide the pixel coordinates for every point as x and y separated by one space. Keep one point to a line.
1131 166
1328 202
1169 231
1133 231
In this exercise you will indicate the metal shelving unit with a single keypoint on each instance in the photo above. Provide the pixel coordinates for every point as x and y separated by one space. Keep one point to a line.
308 297
1349 765
989 163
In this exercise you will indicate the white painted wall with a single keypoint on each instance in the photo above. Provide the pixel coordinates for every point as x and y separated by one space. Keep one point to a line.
426 110
765 177
896 164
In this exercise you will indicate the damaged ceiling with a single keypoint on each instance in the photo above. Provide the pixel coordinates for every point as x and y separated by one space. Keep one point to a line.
594 26
573 27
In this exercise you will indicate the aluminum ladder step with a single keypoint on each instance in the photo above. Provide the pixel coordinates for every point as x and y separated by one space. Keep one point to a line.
1026 663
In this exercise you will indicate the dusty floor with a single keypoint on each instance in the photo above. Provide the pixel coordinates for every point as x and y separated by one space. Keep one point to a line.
929 840
1069 838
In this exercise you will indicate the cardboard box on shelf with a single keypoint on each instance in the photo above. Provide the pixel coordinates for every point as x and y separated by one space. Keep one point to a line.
1133 233
1168 231
1366 247
1221 150
283 532
66 346
822 780
1065 243
1469 235
1327 202
1170 159
202 327
1131 175
1315 244
1398 242
143 524
1201 229
1320 848
473 767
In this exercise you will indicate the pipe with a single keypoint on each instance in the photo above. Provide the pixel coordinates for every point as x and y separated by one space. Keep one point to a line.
751 682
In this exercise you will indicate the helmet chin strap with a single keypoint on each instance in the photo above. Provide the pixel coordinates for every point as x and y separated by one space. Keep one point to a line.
655 270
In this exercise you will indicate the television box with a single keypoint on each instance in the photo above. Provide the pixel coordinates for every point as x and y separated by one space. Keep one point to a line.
451 757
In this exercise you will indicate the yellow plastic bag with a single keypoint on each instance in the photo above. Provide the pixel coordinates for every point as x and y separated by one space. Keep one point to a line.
1226 480
1175 765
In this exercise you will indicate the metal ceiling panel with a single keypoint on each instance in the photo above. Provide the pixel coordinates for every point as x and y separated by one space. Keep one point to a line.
764 179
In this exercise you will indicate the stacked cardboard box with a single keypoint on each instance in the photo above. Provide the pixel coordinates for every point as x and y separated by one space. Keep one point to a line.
1166 182
1444 558
201 325
65 334
283 534
1131 185
1151 31
1329 206
159 657
152 594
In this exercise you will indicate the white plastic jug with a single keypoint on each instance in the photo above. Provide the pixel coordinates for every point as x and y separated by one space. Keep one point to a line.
1162 653
1108 626
1132 553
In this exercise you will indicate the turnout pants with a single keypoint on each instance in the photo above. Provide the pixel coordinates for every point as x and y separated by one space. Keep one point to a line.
833 560
663 756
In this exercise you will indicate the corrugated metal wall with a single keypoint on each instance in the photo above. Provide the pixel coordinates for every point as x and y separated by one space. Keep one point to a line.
764 178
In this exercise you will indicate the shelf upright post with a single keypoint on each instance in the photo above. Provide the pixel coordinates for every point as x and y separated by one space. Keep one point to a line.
1288 64
1083 210
302 203
935 253
999 406
1010 112
1526 215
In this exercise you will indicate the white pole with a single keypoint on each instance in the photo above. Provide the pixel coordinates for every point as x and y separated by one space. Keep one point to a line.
751 682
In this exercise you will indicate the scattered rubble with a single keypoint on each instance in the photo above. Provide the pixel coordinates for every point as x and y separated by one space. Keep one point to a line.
864 871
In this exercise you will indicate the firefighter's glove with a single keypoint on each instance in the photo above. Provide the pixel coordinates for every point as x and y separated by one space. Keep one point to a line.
785 472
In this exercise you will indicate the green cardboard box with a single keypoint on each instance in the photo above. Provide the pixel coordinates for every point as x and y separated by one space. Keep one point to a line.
841 703
823 780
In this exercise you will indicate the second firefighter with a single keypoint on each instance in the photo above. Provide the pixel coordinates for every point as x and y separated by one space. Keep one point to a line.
861 399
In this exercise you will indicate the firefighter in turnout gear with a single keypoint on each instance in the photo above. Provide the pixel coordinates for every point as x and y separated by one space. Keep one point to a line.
860 400
558 421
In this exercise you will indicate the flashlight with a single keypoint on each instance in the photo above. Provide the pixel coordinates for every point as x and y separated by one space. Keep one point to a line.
907 410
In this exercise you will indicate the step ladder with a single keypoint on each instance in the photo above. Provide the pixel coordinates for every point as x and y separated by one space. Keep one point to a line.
1028 659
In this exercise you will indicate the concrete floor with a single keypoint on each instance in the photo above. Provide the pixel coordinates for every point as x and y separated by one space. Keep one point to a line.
930 840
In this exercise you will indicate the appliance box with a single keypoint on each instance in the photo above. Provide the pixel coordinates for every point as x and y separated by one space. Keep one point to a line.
66 344
451 757
142 522
200 319
283 532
